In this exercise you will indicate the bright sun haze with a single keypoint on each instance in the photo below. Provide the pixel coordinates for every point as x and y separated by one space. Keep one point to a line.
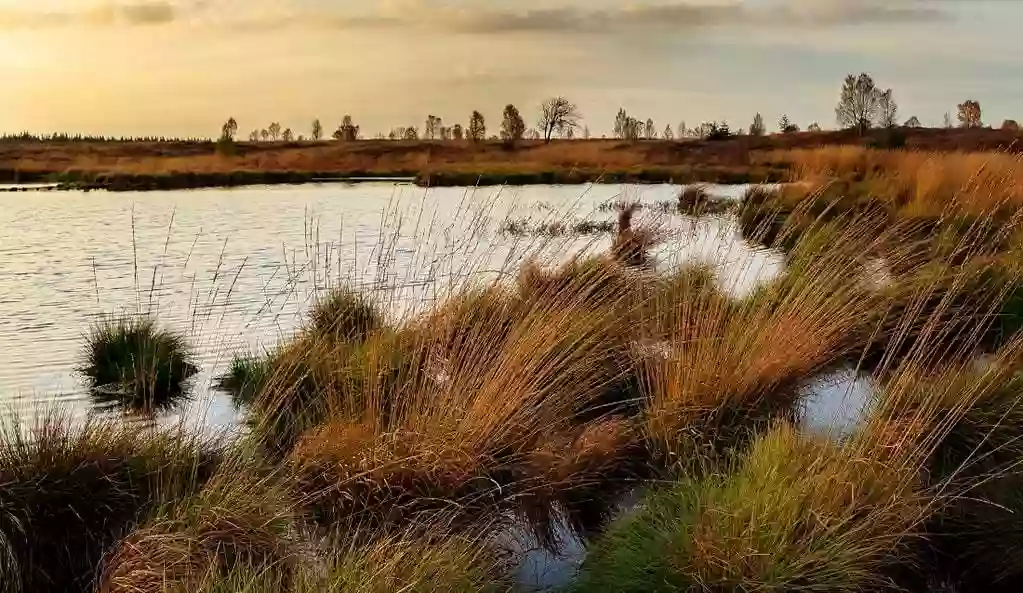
180 67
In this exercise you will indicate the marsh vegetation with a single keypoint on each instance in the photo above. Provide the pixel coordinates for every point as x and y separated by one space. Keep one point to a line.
388 451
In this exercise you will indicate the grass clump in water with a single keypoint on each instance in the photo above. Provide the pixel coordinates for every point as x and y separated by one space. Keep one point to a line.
131 360
245 377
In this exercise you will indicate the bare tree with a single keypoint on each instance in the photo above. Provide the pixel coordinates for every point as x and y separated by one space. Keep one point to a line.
317 129
229 129
513 127
757 128
913 122
858 106
287 135
556 115
969 114
275 131
887 109
668 133
477 131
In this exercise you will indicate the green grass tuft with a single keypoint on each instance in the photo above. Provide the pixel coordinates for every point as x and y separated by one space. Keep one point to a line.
131 361
346 315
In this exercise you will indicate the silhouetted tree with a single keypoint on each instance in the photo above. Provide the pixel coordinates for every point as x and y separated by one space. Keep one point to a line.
556 115
456 132
757 128
1011 125
264 134
347 131
275 131
814 127
887 109
715 131
317 129
649 130
621 123
969 114
229 129
513 127
411 133
477 131
912 122
668 133
287 135
784 124
432 128
947 122
586 132
858 106
682 131
254 136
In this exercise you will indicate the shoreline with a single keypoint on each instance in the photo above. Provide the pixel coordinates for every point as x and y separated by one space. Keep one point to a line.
75 181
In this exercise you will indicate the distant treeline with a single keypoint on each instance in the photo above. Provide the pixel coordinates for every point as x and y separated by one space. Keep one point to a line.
63 137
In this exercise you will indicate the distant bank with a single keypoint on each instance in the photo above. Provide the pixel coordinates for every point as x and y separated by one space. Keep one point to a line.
141 166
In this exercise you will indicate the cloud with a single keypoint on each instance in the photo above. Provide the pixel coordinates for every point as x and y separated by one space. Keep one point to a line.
150 12
579 18
497 18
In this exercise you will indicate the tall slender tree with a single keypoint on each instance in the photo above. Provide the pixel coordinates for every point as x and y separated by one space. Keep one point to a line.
513 127
477 131
887 110
757 128
317 130
229 129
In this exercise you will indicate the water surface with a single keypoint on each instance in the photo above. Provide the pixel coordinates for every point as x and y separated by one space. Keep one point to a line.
235 269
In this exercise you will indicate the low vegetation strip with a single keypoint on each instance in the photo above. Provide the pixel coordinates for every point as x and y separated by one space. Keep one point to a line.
126 165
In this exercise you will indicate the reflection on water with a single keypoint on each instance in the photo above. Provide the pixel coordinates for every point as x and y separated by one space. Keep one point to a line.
835 403
235 269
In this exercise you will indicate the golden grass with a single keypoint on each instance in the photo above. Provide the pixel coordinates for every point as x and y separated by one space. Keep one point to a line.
919 183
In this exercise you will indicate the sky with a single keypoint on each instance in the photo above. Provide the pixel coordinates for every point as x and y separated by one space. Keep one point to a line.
182 67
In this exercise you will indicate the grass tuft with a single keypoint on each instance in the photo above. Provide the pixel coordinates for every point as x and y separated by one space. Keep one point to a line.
68 492
132 361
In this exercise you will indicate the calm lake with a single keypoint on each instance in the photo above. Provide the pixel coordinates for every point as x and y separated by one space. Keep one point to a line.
236 269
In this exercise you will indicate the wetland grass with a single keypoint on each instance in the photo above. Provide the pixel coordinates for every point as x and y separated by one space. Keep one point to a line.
130 360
